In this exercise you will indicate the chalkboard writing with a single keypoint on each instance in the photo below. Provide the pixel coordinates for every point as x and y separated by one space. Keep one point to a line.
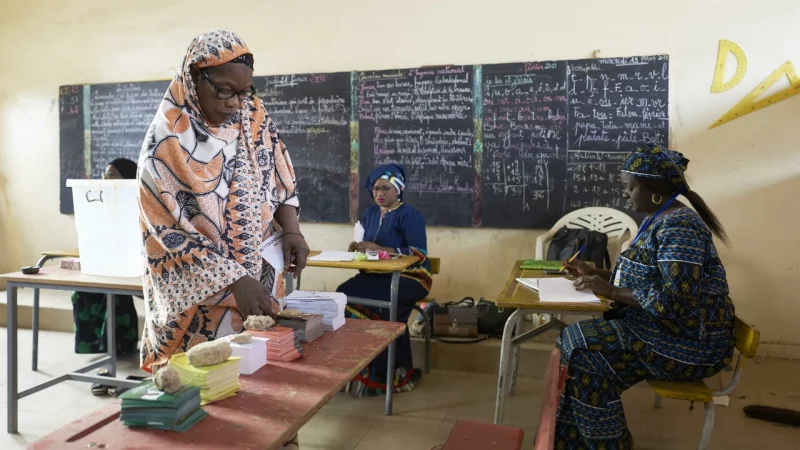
312 113
422 119
615 105
524 143
513 145
120 115
70 112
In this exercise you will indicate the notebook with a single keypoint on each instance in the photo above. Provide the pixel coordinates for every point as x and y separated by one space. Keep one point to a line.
558 290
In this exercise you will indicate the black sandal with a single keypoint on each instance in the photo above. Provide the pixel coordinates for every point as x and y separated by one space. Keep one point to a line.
101 390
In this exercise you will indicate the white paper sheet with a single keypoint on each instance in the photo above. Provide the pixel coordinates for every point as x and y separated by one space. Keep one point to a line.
272 252
558 290
334 256
358 233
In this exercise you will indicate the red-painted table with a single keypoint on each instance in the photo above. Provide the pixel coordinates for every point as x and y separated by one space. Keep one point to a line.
271 406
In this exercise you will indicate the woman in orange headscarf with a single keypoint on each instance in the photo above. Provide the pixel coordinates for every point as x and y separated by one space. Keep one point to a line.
214 174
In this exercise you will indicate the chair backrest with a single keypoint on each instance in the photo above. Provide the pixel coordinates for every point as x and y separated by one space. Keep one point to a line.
436 264
608 221
747 338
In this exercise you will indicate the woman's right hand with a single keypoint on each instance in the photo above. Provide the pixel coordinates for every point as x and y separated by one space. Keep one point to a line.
579 268
353 247
252 298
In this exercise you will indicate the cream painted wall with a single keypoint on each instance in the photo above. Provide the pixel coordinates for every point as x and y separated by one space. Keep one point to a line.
747 171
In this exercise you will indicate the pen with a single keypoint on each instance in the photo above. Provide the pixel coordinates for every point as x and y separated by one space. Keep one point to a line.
580 250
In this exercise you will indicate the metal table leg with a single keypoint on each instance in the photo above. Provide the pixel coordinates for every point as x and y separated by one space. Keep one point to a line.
515 349
393 345
35 329
111 334
505 348
11 333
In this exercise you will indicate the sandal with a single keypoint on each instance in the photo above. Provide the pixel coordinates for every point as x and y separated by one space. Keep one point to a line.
101 390
116 391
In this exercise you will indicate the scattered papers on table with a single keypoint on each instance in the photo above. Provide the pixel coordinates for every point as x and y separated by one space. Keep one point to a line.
253 354
216 382
558 290
147 407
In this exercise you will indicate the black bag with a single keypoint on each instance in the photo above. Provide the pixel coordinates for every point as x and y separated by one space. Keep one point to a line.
568 241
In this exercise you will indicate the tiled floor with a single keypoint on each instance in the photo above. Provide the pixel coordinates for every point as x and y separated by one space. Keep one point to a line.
424 418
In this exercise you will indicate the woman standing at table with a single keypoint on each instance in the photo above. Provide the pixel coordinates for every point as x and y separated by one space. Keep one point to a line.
394 227
215 181
672 319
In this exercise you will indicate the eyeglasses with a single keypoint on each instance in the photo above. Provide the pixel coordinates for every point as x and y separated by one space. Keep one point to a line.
225 94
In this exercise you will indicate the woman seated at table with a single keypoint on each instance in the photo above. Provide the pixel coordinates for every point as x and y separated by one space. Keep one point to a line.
89 309
397 228
672 318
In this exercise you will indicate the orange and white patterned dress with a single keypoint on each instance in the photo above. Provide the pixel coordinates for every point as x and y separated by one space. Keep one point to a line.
207 195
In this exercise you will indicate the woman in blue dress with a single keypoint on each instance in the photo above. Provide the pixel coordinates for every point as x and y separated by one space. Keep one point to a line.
395 227
672 318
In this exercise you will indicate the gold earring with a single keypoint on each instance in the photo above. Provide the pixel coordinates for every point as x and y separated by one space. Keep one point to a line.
656 199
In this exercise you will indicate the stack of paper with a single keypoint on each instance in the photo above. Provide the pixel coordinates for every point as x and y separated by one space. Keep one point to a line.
147 407
308 326
333 256
216 382
253 354
330 304
282 343
558 290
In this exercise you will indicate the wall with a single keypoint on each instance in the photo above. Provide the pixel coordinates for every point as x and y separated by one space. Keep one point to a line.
748 170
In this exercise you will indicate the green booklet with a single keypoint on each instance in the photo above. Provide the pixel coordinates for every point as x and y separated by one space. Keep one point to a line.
146 395
535 264
157 423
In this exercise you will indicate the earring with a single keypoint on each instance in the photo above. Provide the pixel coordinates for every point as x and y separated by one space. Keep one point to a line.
656 199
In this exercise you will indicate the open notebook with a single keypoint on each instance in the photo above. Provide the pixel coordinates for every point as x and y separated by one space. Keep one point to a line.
558 290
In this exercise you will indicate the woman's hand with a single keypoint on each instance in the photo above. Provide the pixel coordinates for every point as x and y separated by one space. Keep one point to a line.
364 246
252 298
295 250
596 284
578 268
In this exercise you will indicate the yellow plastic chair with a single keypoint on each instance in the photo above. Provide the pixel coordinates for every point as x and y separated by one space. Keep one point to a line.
747 338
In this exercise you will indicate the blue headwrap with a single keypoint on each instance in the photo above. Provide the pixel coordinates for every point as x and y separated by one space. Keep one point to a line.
393 173
658 162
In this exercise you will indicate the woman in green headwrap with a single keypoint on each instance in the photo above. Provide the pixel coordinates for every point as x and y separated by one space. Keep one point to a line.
672 318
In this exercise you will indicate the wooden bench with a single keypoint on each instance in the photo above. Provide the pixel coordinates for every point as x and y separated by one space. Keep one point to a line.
468 435
747 338
554 380
436 265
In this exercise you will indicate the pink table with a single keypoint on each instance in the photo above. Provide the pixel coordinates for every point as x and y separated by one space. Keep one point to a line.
271 406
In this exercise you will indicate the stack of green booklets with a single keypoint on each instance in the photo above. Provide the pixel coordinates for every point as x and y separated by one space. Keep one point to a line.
147 407
216 382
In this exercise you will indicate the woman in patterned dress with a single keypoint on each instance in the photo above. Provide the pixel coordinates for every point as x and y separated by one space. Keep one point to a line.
672 318
214 174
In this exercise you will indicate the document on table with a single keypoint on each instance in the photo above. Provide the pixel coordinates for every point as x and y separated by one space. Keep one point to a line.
558 290
333 256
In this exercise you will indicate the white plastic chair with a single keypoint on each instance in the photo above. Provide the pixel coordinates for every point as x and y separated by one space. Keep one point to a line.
608 221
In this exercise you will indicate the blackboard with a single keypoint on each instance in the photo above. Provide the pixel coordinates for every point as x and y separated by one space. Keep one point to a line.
513 145
422 119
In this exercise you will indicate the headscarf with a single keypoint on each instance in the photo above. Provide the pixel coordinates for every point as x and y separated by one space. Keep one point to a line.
125 167
393 173
207 197
658 162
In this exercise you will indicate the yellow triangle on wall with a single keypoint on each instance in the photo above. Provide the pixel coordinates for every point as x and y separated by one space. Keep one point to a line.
749 104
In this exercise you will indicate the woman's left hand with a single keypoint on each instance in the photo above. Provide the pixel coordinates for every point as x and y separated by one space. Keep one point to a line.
295 250
596 284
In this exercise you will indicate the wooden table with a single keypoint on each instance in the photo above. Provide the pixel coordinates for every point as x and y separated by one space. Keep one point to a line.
272 405
526 300
394 266
71 280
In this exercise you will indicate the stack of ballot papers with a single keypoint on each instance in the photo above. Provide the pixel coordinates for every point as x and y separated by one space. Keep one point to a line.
253 355
146 407
558 290
216 382
330 304
282 343
307 327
